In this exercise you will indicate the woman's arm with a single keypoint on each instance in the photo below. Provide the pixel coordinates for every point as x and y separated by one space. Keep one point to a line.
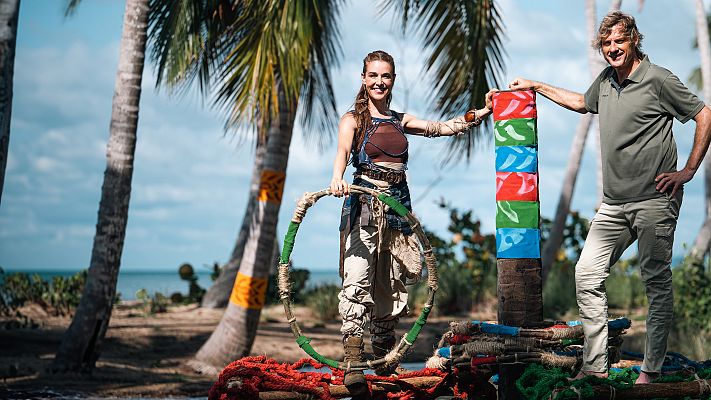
346 131
454 126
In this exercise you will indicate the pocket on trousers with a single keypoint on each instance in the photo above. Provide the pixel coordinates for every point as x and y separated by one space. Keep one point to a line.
663 240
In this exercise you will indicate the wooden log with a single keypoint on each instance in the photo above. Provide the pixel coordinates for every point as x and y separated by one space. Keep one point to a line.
340 391
672 390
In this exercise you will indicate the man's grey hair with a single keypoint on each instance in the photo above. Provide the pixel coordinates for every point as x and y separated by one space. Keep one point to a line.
629 29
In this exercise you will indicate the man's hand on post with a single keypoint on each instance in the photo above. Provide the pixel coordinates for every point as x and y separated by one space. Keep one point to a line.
521 84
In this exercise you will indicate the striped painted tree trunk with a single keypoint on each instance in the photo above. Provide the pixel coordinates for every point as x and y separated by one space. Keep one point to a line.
518 235
234 336
9 11
219 293
82 342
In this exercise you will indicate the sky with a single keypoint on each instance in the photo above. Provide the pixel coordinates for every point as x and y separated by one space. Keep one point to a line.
191 178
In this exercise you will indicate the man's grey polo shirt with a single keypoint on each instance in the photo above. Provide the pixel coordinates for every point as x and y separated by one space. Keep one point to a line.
636 128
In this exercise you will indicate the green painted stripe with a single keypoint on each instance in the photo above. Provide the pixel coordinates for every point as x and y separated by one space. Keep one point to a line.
517 214
515 132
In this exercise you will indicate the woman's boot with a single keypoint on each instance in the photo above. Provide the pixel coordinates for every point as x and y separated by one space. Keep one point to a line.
354 380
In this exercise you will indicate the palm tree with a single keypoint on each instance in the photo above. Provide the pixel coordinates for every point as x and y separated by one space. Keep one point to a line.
266 57
82 342
703 239
9 11
555 238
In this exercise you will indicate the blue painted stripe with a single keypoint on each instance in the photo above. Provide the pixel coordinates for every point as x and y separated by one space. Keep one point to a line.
516 159
518 243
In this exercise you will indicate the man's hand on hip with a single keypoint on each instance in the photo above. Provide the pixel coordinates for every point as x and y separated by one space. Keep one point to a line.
673 180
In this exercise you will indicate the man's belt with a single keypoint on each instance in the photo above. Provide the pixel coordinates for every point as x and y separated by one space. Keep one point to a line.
393 177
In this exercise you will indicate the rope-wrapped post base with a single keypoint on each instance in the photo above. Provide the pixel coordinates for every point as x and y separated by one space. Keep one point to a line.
395 356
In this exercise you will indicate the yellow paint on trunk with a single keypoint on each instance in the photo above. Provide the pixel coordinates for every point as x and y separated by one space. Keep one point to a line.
271 186
249 292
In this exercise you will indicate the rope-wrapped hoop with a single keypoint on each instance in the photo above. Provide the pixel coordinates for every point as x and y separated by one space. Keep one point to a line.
394 356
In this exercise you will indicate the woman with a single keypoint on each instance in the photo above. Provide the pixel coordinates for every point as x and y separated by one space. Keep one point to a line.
377 251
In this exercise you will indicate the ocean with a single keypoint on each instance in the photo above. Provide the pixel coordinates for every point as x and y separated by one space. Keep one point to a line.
168 282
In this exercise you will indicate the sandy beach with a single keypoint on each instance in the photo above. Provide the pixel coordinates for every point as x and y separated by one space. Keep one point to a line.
148 355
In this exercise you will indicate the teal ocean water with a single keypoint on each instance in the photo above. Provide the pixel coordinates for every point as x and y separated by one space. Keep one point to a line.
167 282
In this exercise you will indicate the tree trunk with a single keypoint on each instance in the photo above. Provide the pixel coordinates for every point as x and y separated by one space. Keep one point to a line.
81 344
218 294
703 239
555 238
233 337
9 11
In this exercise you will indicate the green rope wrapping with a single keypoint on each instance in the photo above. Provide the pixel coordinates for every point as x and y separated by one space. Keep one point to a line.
289 240
417 326
303 342
394 204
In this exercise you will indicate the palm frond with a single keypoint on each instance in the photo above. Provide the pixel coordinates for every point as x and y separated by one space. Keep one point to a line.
71 7
248 50
462 40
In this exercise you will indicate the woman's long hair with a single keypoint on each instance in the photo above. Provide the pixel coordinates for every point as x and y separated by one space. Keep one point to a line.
361 111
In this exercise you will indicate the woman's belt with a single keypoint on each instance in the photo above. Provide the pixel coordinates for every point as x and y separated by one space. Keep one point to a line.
393 177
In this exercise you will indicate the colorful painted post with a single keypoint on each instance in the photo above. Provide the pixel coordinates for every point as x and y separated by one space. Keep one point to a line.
518 234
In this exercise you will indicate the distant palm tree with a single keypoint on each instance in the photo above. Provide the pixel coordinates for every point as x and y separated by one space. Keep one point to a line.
9 10
702 244
266 58
556 236
82 342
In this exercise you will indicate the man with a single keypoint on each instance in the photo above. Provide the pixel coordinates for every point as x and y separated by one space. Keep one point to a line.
642 190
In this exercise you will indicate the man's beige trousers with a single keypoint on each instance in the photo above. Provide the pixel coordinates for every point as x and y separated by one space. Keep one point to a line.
614 228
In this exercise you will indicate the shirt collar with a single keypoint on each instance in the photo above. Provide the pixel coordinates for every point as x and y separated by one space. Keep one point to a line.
638 74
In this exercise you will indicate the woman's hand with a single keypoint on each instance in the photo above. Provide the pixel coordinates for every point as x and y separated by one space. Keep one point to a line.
339 187
488 98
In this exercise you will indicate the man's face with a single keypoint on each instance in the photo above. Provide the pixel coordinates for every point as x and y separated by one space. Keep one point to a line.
617 49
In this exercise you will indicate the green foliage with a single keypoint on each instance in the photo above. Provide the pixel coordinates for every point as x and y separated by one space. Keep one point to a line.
625 289
466 265
157 303
216 269
559 290
195 292
59 296
299 278
323 301
692 289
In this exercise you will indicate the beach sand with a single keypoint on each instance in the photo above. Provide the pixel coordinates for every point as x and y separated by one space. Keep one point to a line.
148 355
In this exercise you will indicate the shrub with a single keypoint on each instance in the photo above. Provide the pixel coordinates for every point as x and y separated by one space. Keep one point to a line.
559 290
299 278
323 301
60 296
158 303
